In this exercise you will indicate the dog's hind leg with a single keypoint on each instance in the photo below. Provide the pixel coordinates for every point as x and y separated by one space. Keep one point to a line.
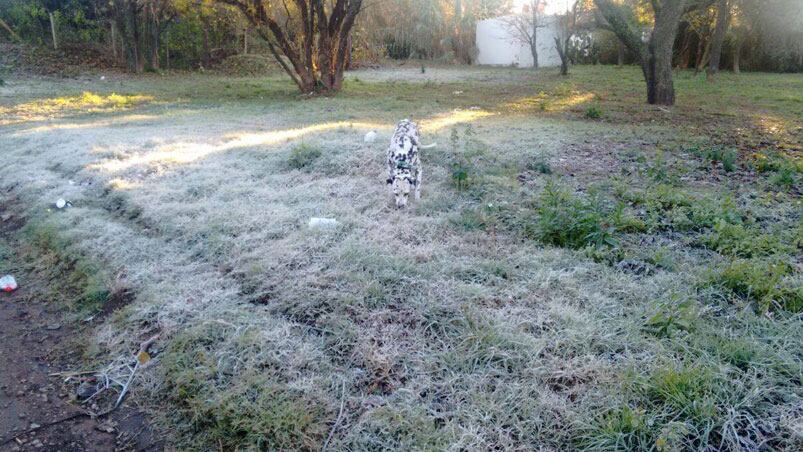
418 183
391 174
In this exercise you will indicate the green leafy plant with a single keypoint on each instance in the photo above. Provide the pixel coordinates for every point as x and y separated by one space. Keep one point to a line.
303 155
593 112
568 221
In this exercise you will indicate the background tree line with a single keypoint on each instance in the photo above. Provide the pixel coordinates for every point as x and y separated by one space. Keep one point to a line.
314 41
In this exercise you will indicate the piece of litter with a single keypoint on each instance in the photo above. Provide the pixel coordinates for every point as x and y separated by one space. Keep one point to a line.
457 93
103 77
322 223
62 203
143 357
53 326
8 283
370 137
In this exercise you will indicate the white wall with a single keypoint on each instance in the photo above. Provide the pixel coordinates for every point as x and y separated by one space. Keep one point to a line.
497 45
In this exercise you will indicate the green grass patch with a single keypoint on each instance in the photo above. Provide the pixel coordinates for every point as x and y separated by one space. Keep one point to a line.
303 155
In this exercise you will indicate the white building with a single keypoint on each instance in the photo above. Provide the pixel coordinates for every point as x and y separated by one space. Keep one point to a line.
498 44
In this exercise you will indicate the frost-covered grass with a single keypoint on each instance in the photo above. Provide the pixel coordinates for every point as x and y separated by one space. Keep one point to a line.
565 282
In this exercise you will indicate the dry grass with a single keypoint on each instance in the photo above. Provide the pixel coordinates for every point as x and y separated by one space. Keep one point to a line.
451 324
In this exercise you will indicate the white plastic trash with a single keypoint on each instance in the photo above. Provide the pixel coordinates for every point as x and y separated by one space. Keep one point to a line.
322 223
370 137
8 283
61 203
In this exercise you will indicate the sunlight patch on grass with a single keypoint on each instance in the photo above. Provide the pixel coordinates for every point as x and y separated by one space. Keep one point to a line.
187 152
87 102
546 102
89 125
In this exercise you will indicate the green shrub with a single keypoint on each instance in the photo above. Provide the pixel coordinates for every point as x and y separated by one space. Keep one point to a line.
539 166
568 221
729 160
671 318
686 391
594 112
785 177
303 155
761 281
736 240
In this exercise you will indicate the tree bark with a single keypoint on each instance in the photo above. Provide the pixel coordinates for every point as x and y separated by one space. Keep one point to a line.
53 30
534 39
564 59
723 17
156 31
206 57
656 55
114 40
737 51
620 54
9 30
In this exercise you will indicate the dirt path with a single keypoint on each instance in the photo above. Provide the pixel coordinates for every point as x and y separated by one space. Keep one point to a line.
35 342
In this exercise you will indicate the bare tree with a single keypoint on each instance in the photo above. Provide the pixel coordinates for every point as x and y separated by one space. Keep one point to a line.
654 49
524 26
723 18
308 38
566 27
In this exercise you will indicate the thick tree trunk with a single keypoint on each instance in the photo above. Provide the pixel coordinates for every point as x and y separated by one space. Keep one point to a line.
703 61
737 51
656 56
620 54
562 47
723 17
53 30
660 88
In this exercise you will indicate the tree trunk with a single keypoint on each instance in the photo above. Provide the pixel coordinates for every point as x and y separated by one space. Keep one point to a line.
53 30
660 88
562 48
620 54
9 30
723 17
656 56
156 31
206 57
167 49
114 40
245 41
703 61
737 50
534 39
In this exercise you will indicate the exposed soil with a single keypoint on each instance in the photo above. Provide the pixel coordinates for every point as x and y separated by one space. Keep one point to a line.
36 342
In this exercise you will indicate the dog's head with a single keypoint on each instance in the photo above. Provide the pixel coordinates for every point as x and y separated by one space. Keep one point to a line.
402 184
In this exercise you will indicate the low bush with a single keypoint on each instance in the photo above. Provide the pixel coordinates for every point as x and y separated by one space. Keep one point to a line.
736 240
761 281
566 220
303 155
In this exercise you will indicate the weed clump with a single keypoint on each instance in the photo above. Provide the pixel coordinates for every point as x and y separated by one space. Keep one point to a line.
303 155
568 221
739 241
761 281
593 112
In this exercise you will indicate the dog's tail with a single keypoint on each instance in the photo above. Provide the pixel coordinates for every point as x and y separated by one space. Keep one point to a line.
429 146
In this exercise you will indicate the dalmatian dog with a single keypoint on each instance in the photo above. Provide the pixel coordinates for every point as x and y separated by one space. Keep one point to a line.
404 166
